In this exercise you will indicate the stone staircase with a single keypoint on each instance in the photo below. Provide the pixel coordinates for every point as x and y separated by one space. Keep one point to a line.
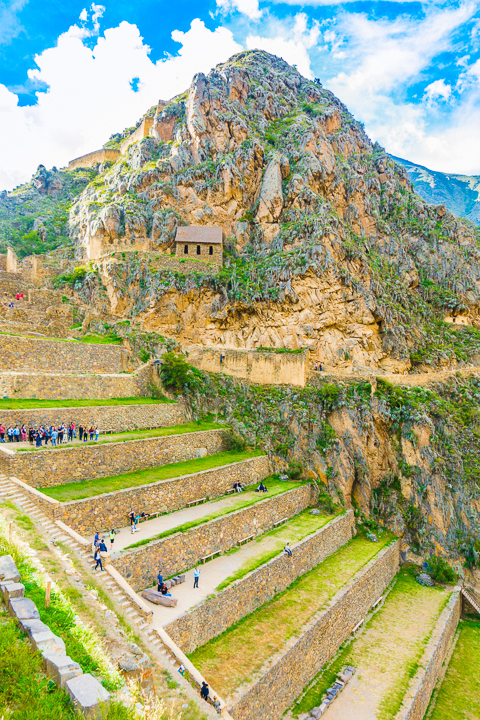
471 597
10 491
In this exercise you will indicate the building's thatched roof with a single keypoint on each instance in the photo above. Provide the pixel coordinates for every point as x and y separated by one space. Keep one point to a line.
200 234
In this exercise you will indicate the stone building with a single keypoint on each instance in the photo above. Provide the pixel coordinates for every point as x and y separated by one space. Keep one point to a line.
202 243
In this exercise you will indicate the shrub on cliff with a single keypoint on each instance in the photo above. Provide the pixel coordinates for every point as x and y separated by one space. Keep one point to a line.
440 570
176 373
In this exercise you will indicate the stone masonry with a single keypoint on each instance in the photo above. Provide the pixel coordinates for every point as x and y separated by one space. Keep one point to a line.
18 353
111 509
216 614
417 698
285 679
50 467
56 386
181 551
109 418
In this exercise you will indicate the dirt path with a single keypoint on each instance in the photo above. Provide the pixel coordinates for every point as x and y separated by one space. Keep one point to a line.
387 650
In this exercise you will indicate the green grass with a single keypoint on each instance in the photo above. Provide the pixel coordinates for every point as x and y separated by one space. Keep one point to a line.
233 658
89 339
32 403
132 435
246 499
373 652
295 530
90 488
459 694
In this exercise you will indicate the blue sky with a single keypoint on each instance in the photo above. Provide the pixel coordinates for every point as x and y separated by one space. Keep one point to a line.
72 74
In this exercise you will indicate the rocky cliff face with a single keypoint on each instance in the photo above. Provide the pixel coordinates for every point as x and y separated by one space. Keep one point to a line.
327 245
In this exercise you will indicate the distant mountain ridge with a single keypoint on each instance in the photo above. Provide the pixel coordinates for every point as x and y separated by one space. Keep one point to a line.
459 193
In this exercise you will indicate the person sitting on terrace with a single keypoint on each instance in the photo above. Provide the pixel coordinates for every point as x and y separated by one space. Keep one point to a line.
238 487
261 488
164 590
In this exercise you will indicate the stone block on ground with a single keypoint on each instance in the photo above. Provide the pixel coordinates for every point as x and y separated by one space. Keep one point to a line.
23 609
30 626
60 668
47 642
8 569
155 597
13 590
181 578
316 713
88 696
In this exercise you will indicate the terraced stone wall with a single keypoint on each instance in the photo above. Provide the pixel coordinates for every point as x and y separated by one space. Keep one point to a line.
181 551
418 696
19 354
111 509
74 387
47 468
257 367
289 675
218 613
109 418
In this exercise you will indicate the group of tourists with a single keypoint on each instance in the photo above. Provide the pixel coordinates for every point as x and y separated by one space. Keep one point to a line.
99 547
10 303
45 434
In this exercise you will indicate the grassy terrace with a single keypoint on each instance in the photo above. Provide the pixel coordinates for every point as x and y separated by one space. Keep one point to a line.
132 435
80 490
88 339
244 500
234 657
459 694
387 653
270 544
28 404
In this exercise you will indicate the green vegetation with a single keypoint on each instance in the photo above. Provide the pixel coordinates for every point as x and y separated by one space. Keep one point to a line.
388 651
239 502
295 530
458 696
440 570
176 373
101 339
90 488
27 403
134 435
232 658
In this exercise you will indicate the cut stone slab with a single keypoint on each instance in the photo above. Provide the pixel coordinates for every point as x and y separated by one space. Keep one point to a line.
159 599
23 609
8 569
47 642
88 696
13 590
61 668
30 626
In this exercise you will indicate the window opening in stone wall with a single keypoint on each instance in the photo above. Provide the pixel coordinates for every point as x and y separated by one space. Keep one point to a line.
198 249
210 250
185 250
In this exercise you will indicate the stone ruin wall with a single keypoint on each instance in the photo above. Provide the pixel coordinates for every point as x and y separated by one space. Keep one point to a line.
182 551
216 614
97 157
256 367
111 510
24 353
75 387
273 694
52 467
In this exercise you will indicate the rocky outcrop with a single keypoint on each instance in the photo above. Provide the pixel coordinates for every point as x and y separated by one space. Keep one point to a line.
328 246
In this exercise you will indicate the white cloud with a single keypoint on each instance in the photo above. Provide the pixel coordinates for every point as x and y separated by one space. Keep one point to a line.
291 44
10 25
246 7
437 89
383 59
89 95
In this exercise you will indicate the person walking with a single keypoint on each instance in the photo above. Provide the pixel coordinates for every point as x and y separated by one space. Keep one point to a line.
98 559
70 432
196 576
2 432
85 434
16 433
54 437
91 433
80 432
204 691
96 433
131 516
112 538
159 580
23 433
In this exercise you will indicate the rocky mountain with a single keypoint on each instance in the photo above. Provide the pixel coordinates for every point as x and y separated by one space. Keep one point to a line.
34 217
327 244
459 193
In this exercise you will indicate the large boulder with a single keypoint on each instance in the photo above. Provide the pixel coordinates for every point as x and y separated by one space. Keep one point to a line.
8 569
